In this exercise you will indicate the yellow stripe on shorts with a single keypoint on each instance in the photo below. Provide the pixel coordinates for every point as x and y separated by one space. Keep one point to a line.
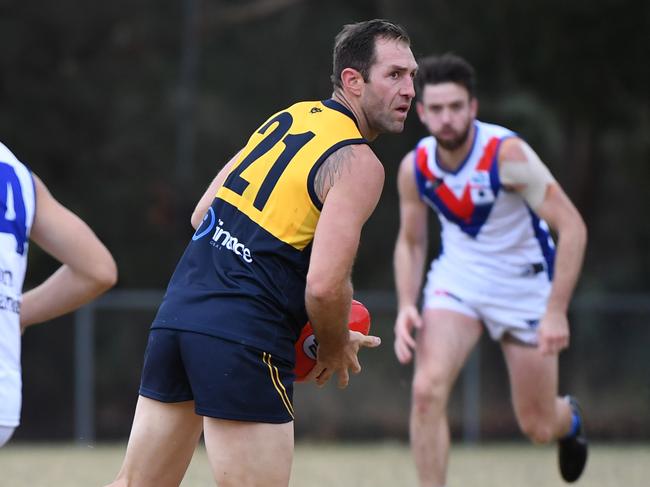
277 383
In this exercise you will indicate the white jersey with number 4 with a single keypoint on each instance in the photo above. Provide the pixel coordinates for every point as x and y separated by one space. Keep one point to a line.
17 206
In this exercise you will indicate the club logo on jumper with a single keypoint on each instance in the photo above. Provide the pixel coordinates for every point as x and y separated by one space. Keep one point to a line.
480 189
221 238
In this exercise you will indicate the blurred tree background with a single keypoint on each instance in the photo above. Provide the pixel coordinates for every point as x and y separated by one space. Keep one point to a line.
127 110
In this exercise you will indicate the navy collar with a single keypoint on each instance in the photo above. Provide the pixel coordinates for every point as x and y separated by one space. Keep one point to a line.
335 105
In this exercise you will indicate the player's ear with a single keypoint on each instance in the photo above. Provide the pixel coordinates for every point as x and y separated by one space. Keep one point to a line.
419 107
352 81
473 106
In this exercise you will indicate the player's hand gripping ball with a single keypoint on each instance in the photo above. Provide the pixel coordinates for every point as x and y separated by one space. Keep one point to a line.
306 346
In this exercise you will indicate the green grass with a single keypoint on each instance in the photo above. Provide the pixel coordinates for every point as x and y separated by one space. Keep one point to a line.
343 465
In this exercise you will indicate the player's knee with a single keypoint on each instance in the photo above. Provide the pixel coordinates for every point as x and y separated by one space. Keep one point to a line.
429 394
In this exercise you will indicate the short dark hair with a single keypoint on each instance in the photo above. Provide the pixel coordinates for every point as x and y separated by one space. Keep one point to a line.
447 68
354 46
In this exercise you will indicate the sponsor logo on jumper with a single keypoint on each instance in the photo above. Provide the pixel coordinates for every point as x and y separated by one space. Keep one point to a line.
9 303
315 110
6 278
480 189
222 238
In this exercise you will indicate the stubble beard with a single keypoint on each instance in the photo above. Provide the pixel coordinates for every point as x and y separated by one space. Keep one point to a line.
456 142
384 123
382 120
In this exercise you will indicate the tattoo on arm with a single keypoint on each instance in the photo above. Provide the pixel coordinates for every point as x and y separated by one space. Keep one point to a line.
330 171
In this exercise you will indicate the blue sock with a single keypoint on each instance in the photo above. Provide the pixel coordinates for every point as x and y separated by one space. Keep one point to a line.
575 425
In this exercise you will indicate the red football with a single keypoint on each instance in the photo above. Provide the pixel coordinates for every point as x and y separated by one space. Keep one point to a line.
306 346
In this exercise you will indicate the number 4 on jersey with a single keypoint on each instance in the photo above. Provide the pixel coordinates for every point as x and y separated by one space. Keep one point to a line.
12 207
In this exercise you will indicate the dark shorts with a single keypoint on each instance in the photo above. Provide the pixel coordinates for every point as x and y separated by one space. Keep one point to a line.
225 379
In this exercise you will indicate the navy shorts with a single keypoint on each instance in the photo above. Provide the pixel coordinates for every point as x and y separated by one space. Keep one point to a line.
225 379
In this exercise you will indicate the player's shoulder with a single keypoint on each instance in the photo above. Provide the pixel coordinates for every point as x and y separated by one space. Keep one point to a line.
490 130
352 166
4 150
407 164
424 148
510 142
513 148
408 157
328 120
358 159
318 109
406 174
313 106
8 157
20 169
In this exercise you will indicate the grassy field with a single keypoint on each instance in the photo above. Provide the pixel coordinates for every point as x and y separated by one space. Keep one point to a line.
344 465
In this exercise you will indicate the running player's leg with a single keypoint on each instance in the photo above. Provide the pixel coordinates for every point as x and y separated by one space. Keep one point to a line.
541 414
162 441
443 345
246 454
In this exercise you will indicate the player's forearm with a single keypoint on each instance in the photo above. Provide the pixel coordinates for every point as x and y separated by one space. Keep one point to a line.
571 246
408 266
328 308
62 292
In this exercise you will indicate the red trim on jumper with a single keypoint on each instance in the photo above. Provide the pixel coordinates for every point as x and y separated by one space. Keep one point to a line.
421 158
488 155
463 208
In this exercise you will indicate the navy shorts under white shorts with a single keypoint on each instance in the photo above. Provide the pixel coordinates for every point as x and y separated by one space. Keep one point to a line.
225 379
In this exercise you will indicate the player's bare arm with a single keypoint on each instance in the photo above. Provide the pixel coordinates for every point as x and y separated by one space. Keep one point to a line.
550 203
209 194
409 259
328 292
332 170
521 170
88 268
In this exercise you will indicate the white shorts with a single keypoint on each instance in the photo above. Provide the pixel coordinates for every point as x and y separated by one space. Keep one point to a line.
6 433
10 397
507 305
10 373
